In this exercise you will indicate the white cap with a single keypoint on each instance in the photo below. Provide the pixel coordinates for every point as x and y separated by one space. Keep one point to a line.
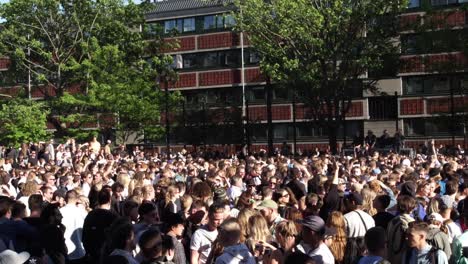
11 257
406 162
435 216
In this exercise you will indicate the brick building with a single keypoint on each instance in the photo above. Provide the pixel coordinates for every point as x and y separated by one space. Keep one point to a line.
417 99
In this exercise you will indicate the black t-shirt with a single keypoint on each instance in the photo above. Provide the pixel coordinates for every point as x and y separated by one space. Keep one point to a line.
95 227
298 188
333 202
382 219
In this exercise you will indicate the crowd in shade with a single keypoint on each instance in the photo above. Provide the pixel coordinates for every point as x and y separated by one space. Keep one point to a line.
93 203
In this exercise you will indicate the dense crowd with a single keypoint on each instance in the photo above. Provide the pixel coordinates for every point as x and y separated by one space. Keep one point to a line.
93 203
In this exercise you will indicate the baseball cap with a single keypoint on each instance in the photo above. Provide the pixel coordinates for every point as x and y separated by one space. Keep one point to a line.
355 197
436 217
11 257
270 204
314 223
342 181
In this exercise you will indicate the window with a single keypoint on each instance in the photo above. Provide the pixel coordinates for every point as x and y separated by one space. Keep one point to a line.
280 131
229 21
181 25
210 59
442 2
281 93
251 57
189 61
231 58
189 24
409 44
209 22
383 108
169 25
256 94
433 84
413 85
439 126
219 21
414 127
413 4
441 84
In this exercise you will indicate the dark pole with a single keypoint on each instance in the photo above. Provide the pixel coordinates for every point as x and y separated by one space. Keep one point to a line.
269 117
294 122
247 126
166 93
452 113
204 125
396 123
344 132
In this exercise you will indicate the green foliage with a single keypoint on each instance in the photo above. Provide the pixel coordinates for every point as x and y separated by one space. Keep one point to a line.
23 121
89 58
319 47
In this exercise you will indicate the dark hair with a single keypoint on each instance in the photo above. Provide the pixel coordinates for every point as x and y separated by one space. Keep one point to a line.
375 239
406 204
384 200
298 257
451 187
119 235
116 186
127 207
51 215
35 202
216 208
104 196
146 208
17 209
151 243
5 205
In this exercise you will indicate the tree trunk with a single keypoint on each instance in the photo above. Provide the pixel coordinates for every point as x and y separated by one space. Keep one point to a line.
269 96
332 137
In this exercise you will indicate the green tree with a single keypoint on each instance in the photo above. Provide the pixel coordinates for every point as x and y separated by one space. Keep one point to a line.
88 58
23 121
320 48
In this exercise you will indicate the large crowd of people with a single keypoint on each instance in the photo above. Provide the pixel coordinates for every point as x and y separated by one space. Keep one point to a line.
93 203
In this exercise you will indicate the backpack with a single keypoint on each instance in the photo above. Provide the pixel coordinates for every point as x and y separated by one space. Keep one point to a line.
432 254
393 233
432 241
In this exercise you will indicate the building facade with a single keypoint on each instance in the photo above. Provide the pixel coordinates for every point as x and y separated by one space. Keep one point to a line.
423 101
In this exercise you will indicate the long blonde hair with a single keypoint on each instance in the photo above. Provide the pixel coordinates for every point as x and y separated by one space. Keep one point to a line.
336 220
258 228
170 193
243 219
368 197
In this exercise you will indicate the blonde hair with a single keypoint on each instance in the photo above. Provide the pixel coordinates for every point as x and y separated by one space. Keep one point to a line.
170 193
243 219
258 228
286 229
29 188
336 220
137 181
368 197
123 179
145 190
85 201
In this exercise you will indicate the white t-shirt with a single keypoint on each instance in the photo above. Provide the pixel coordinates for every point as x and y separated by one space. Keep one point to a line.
358 222
454 231
322 255
73 220
201 241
